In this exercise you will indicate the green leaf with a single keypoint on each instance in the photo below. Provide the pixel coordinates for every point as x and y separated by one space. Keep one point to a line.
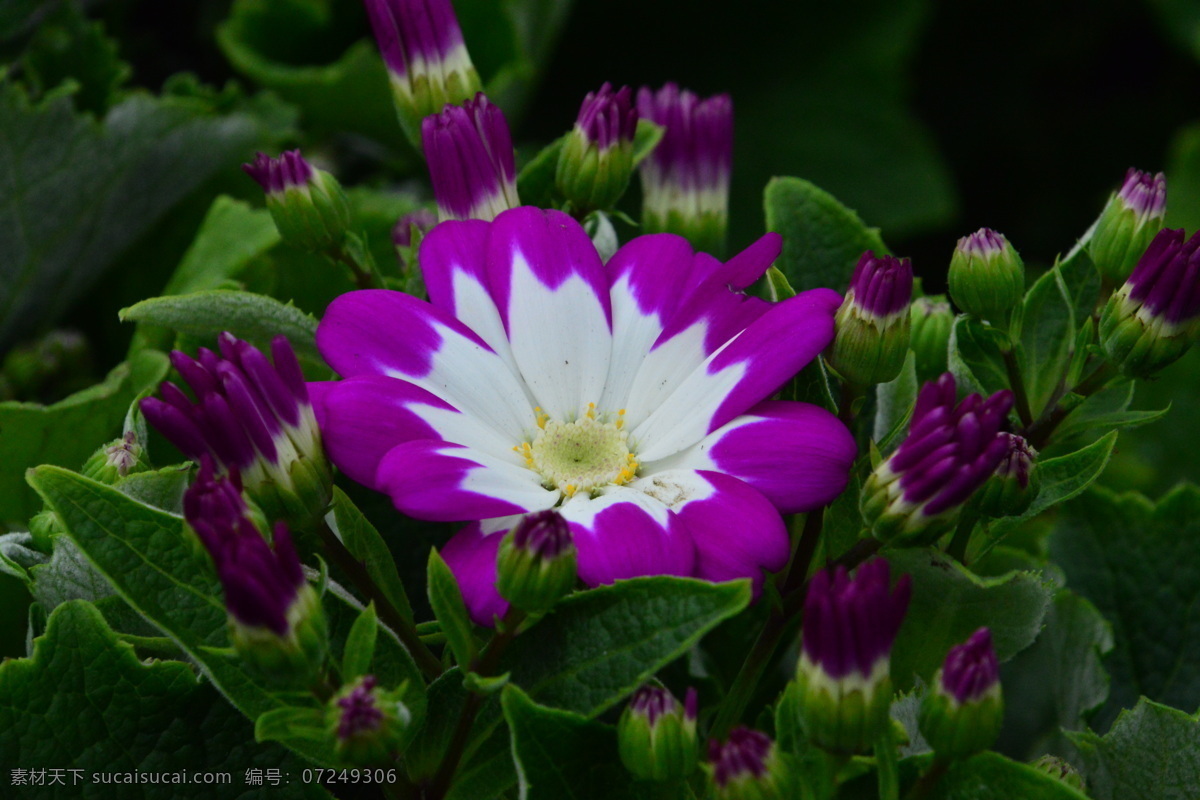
360 645
949 603
231 236
161 488
1047 338
1137 562
1151 753
292 722
162 572
561 755
1108 409
894 403
991 776
67 432
292 48
85 701
253 317
974 356
67 47
1183 164
366 545
451 611
79 192
822 239
535 182
1056 683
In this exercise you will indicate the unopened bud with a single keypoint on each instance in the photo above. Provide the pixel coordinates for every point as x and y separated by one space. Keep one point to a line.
1127 225
962 712
1061 770
596 162
932 320
656 735
872 325
1015 483
308 204
536 563
987 277
115 460
368 722
747 766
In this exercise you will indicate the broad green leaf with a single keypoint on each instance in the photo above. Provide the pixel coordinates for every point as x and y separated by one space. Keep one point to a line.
1108 409
1047 338
360 645
1151 753
894 403
974 356
561 755
67 47
253 317
85 701
822 239
1056 683
67 432
161 571
365 544
162 488
1136 561
949 603
231 236
451 611
991 776
292 47
80 191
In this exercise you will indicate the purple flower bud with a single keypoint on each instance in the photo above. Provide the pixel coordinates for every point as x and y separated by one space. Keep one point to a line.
1015 484
653 701
1144 194
851 623
746 765
656 735
308 205
881 285
544 535
536 565
963 713
949 453
427 60
471 162
251 416
608 118
1017 463
360 714
1152 319
987 276
685 181
971 669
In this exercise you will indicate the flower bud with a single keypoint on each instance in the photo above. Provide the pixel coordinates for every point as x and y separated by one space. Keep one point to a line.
307 204
596 162
932 320
536 563
987 277
1127 225
1015 483
471 163
873 321
845 689
656 735
685 181
1154 317
747 766
916 494
1060 769
275 619
426 58
368 722
252 416
115 460
962 712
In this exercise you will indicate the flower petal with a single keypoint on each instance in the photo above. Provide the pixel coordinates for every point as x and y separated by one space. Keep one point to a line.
471 555
552 293
445 482
626 534
745 371
362 418
376 331
797 455
737 532
648 276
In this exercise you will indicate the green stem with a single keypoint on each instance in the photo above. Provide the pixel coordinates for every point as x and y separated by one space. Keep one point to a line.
887 769
1039 432
404 629
1017 384
962 535
484 665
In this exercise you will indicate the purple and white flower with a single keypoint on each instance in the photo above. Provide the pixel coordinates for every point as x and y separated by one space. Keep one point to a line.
630 396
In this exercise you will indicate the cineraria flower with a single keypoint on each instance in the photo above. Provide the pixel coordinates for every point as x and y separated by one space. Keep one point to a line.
631 397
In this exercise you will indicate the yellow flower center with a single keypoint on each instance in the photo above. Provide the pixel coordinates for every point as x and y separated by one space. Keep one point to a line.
582 455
